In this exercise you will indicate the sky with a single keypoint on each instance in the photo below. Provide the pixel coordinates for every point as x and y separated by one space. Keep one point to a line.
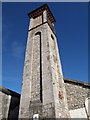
72 36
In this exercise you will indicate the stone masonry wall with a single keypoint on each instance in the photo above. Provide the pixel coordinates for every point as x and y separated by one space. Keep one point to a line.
76 95
35 88
42 78
61 108
35 21
9 104
4 105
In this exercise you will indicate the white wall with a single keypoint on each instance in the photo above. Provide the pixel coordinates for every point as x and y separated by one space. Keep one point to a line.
78 113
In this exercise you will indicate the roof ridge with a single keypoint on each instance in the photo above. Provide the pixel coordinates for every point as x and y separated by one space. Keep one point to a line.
8 91
77 81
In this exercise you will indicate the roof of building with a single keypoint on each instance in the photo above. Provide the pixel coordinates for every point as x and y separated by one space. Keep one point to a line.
40 10
9 92
76 82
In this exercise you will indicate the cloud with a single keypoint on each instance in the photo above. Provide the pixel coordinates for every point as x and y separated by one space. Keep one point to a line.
17 49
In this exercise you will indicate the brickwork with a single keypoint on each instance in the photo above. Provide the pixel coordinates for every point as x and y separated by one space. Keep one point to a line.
9 104
76 95
5 103
61 107
35 88
42 77
36 21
